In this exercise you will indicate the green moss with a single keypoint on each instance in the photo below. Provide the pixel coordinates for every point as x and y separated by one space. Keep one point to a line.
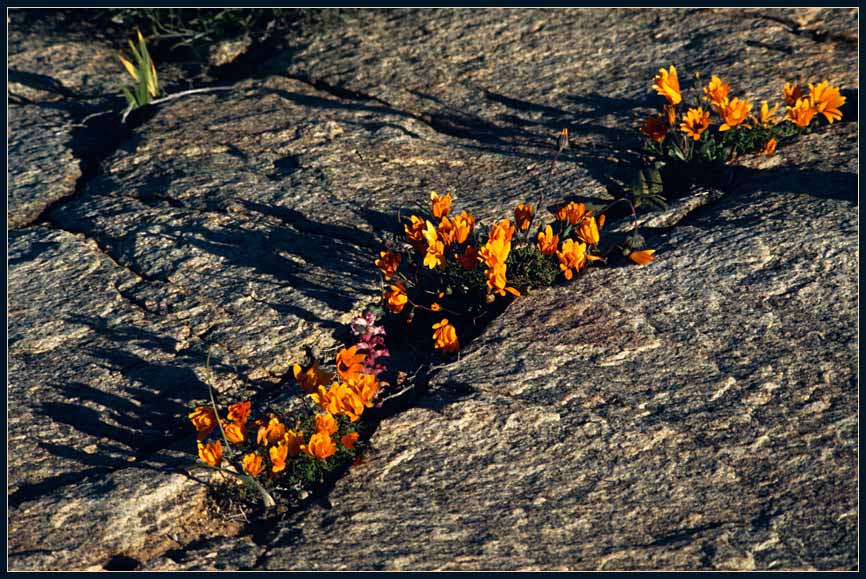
529 269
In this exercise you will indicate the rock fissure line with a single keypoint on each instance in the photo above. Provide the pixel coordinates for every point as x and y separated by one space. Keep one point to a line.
88 235
817 35
440 125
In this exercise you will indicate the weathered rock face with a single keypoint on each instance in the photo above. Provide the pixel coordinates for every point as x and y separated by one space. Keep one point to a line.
696 413
64 91
510 73
97 387
42 168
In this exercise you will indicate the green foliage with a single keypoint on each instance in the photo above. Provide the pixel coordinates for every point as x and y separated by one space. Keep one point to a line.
143 72
529 269
191 24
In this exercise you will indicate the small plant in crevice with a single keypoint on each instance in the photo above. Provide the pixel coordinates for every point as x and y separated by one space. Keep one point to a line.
145 86
443 280
286 453
448 275
694 136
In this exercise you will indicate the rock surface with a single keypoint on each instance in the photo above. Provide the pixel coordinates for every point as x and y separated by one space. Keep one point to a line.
506 74
65 113
696 413
42 166
97 388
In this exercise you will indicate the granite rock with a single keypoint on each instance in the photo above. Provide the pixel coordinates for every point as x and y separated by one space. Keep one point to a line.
698 413
42 166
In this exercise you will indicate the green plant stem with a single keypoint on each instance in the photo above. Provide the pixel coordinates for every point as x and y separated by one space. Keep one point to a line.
266 497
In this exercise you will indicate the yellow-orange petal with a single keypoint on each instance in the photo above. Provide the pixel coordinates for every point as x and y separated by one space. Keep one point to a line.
642 257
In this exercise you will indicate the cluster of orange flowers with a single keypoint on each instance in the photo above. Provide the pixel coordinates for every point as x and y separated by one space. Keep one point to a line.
454 240
352 393
274 444
434 244
736 112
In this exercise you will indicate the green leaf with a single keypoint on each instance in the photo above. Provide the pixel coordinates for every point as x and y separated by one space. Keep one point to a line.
594 207
639 184
655 202
676 153
635 241
654 180
129 98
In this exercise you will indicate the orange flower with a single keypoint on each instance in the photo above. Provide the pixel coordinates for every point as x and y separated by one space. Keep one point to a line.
311 378
435 255
494 254
671 113
349 440
469 259
278 454
496 280
573 212
642 257
695 123
826 100
654 128
388 262
204 420
325 398
802 113
415 234
588 231
252 463
792 93
292 441
320 446
463 225
441 204
523 216
347 402
572 256
446 231
767 119
239 412
364 387
235 433
716 91
396 298
349 362
733 112
770 147
503 230
562 141
326 423
435 307
211 453
667 85
445 337
340 399
272 433
547 241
